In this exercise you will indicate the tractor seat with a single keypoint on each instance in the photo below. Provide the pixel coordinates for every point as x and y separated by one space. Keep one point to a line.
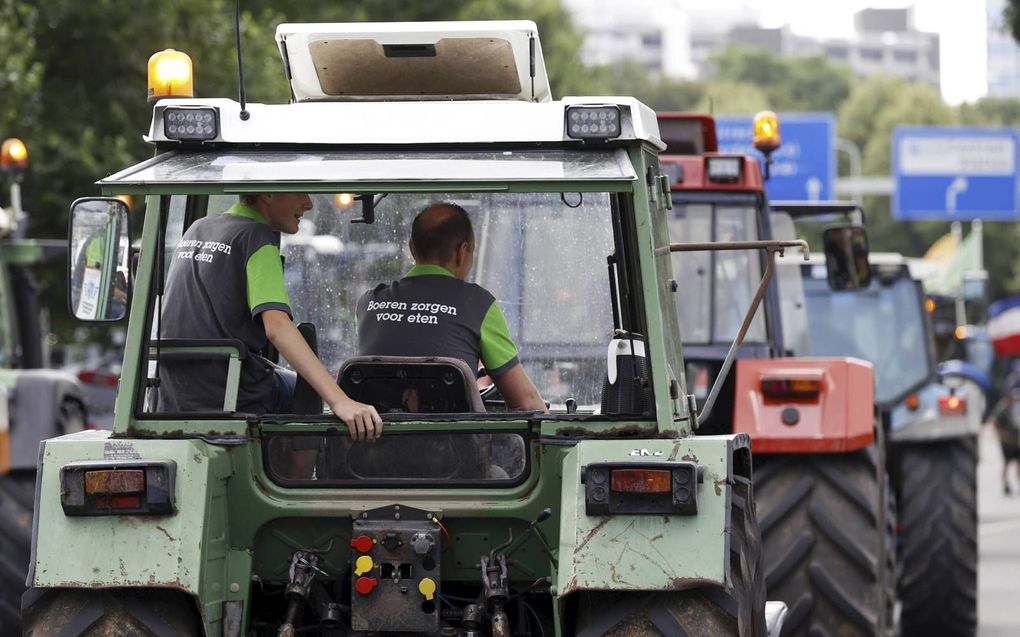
411 384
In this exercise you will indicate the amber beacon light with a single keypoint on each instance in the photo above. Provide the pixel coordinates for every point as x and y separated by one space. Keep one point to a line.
170 75
13 155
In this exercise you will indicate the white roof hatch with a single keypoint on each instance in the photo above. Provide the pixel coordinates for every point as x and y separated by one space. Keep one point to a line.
414 61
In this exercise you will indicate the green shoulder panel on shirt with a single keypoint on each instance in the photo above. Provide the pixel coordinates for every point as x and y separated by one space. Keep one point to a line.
265 280
498 348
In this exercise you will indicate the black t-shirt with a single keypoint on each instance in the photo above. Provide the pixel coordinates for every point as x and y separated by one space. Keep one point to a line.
224 273
432 313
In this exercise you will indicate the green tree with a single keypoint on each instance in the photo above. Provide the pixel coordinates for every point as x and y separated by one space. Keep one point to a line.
809 83
73 77
1011 17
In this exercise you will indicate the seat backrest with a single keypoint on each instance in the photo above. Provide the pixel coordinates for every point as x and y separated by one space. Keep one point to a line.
414 384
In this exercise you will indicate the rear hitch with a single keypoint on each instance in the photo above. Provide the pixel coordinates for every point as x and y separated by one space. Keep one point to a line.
303 567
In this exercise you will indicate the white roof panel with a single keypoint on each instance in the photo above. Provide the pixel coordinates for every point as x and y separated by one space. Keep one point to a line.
407 123
414 60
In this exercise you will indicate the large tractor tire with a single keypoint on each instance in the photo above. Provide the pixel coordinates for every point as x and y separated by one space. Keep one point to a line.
735 611
17 496
109 613
938 517
829 543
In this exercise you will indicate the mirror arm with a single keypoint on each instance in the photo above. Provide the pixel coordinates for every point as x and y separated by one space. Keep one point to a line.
772 248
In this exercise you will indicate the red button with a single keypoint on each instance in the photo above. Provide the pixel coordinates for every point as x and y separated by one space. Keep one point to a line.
362 543
364 585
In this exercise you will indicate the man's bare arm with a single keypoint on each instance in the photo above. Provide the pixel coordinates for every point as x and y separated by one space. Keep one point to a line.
518 391
362 420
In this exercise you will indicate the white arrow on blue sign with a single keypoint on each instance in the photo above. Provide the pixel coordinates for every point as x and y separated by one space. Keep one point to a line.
804 167
947 173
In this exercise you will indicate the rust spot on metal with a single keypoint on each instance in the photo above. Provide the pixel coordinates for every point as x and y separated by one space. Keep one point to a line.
198 458
166 533
592 533
114 481
626 431
719 485
123 569
689 457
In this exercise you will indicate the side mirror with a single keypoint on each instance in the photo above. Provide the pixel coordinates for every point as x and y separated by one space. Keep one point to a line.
846 257
99 269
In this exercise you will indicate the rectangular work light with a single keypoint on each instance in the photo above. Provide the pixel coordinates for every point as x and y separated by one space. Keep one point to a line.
593 122
191 124
724 169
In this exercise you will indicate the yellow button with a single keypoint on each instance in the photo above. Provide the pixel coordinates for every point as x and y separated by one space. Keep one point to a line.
427 587
363 565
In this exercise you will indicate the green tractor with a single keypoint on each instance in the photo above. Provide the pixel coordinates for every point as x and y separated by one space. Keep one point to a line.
35 403
601 516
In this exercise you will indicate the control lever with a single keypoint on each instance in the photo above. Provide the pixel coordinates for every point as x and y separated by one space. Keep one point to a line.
303 567
543 515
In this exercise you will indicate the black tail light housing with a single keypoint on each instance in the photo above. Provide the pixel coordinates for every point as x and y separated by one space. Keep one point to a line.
123 487
638 488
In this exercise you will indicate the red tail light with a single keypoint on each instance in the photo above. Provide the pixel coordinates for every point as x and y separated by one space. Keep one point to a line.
953 405
791 388
98 378
641 481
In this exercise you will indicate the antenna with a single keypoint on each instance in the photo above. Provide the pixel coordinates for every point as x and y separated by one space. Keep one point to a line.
240 67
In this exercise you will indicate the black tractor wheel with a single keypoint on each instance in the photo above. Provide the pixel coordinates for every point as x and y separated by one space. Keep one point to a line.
828 541
938 514
735 611
17 497
109 613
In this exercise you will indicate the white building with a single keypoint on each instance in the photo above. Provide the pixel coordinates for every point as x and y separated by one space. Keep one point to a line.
1003 54
678 37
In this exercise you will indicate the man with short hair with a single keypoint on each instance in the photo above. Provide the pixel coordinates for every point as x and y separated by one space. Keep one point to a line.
433 311
226 282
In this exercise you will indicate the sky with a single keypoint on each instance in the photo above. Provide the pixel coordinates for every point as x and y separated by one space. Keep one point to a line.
959 23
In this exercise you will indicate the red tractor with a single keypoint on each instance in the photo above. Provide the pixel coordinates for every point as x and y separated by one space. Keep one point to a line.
822 491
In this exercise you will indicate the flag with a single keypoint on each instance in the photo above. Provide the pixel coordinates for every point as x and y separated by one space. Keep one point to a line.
1004 326
954 260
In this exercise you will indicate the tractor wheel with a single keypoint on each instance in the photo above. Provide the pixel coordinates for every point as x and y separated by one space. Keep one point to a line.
828 541
17 496
735 611
938 513
108 613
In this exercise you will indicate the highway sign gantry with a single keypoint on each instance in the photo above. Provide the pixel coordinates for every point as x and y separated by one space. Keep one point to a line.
954 173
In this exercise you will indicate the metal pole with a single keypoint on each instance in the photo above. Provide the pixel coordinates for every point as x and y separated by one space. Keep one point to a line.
853 153
956 228
16 203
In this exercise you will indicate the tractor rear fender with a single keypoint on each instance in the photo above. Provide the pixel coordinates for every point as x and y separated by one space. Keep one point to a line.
35 400
649 552
185 550
805 405
927 416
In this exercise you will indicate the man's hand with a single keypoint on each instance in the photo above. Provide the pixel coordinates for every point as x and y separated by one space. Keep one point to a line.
362 420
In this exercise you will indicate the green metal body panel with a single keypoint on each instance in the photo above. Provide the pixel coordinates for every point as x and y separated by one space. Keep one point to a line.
186 551
644 552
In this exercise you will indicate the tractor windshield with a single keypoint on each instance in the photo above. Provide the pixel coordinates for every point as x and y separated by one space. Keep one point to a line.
541 255
716 288
858 323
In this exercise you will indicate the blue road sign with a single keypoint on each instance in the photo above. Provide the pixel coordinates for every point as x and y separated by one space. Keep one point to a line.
804 167
945 173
